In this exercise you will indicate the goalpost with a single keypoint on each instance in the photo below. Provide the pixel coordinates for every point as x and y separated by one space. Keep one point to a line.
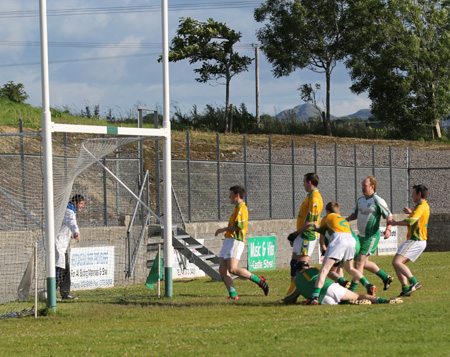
48 128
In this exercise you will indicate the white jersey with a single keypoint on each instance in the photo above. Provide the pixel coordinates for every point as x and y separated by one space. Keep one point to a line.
69 226
369 212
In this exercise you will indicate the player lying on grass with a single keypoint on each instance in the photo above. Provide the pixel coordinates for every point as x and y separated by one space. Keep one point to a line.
342 247
331 293
234 243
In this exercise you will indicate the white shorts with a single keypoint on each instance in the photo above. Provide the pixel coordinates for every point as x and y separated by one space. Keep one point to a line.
412 249
232 248
342 247
334 294
303 247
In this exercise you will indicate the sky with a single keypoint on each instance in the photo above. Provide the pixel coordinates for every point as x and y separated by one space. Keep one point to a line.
105 53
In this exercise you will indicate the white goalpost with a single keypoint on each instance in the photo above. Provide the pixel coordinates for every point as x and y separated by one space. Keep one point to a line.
48 128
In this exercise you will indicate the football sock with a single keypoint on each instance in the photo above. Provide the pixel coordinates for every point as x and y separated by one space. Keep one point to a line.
405 288
255 279
381 300
316 293
382 275
413 280
353 286
232 291
340 280
364 282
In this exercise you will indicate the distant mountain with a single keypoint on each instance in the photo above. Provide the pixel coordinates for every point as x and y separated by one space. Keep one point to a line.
305 111
364 114
301 112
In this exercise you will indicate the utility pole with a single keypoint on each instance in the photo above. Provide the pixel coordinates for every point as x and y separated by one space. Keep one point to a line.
255 46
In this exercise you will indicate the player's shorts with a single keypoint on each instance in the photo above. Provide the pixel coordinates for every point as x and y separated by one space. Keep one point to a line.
334 294
232 248
303 247
341 247
369 245
412 249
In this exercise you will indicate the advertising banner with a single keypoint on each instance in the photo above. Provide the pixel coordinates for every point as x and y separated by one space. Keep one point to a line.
92 267
388 246
262 253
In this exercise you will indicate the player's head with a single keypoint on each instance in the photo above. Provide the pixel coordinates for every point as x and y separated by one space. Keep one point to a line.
369 186
236 191
419 192
78 201
310 181
301 266
332 207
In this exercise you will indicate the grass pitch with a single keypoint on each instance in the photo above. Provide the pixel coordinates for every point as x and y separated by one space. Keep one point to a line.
199 321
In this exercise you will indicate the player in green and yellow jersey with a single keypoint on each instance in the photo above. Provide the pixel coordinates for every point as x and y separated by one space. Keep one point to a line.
410 250
234 244
309 212
342 246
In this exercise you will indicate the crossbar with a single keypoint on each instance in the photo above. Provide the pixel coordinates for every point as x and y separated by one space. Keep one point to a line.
111 130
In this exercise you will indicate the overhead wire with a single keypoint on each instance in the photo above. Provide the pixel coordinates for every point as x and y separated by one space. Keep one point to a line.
112 10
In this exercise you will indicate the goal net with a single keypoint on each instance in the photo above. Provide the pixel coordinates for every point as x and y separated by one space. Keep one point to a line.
106 171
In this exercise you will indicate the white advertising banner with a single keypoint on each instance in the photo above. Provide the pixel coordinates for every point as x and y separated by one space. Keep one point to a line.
388 246
92 267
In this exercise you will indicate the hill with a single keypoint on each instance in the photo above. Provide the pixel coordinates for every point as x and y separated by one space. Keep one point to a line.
304 112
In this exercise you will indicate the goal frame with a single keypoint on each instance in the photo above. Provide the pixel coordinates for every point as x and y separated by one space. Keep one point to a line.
48 127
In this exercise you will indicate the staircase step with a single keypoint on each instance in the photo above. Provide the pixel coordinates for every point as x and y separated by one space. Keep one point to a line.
206 256
195 246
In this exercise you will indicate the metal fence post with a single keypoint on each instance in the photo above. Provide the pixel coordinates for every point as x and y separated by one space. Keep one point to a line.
293 177
22 167
157 171
105 193
245 167
188 164
355 173
315 156
408 174
335 173
390 176
218 175
270 177
373 161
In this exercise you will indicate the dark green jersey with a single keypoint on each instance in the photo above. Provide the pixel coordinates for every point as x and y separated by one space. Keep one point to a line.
305 281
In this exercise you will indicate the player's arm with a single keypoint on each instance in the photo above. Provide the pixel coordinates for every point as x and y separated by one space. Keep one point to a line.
387 232
71 222
352 217
323 247
227 229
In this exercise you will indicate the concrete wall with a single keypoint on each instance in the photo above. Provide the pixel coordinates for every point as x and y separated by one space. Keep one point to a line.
438 233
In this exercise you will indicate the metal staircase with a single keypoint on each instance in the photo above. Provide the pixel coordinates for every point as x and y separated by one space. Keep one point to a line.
184 243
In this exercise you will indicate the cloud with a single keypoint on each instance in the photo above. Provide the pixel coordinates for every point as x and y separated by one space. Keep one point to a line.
114 80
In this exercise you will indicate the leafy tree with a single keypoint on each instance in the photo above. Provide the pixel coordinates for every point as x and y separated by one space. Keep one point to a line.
210 43
14 92
303 34
400 57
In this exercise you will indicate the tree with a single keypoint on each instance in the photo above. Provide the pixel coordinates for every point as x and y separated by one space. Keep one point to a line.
303 34
14 92
210 43
309 95
400 59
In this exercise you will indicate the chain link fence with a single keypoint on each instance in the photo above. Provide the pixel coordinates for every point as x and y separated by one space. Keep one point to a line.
272 175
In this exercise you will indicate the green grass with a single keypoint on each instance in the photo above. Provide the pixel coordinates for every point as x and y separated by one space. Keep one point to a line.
198 321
